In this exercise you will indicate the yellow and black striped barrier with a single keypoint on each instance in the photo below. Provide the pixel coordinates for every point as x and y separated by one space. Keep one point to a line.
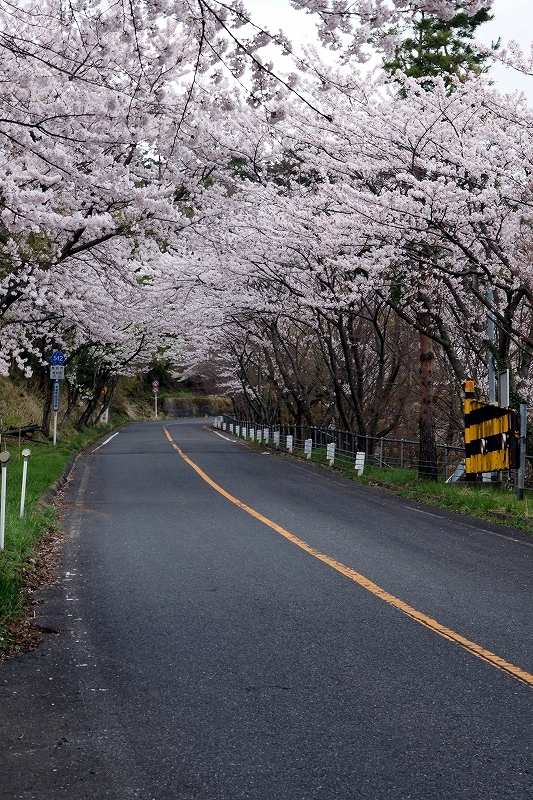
490 436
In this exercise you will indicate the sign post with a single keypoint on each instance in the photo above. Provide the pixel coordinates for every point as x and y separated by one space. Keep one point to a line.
104 416
57 373
56 408
155 389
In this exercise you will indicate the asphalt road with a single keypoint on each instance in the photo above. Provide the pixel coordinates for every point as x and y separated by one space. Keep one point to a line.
203 656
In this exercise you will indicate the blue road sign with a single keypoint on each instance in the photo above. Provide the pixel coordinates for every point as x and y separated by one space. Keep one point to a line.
58 357
56 396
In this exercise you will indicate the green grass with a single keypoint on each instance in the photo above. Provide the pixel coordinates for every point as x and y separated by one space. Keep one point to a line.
476 500
17 563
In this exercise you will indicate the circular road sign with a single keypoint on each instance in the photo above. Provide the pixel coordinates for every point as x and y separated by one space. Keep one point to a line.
58 358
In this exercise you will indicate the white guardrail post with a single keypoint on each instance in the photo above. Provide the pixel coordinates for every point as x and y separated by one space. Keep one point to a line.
360 462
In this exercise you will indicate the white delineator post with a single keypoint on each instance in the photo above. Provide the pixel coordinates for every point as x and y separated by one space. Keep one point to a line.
308 447
25 454
289 443
360 462
4 458
330 453
276 438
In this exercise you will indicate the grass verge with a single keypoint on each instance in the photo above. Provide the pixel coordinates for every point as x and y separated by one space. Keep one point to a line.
31 544
477 500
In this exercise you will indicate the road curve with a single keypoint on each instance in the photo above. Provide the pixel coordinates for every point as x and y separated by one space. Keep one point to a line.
204 654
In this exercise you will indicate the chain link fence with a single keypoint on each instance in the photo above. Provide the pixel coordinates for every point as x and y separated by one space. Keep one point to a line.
381 452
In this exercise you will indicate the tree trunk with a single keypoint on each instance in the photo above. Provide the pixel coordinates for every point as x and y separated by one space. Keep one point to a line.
86 418
427 462
46 388
73 394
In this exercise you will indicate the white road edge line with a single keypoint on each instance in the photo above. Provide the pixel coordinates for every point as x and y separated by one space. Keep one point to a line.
106 441
476 529
223 437
411 508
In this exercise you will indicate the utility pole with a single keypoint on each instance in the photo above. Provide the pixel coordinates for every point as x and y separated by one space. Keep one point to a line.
491 334
522 468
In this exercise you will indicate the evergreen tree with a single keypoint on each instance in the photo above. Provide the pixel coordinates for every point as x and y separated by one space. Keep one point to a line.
438 47
435 47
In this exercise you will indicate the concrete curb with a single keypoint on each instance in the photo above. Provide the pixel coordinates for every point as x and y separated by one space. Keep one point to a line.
56 487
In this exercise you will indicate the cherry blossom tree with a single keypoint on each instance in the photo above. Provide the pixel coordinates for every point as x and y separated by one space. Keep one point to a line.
300 225
422 201
100 162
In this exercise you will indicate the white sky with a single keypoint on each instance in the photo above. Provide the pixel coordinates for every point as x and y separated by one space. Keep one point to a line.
513 19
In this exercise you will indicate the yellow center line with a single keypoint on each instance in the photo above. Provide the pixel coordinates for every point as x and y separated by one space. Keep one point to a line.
418 616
